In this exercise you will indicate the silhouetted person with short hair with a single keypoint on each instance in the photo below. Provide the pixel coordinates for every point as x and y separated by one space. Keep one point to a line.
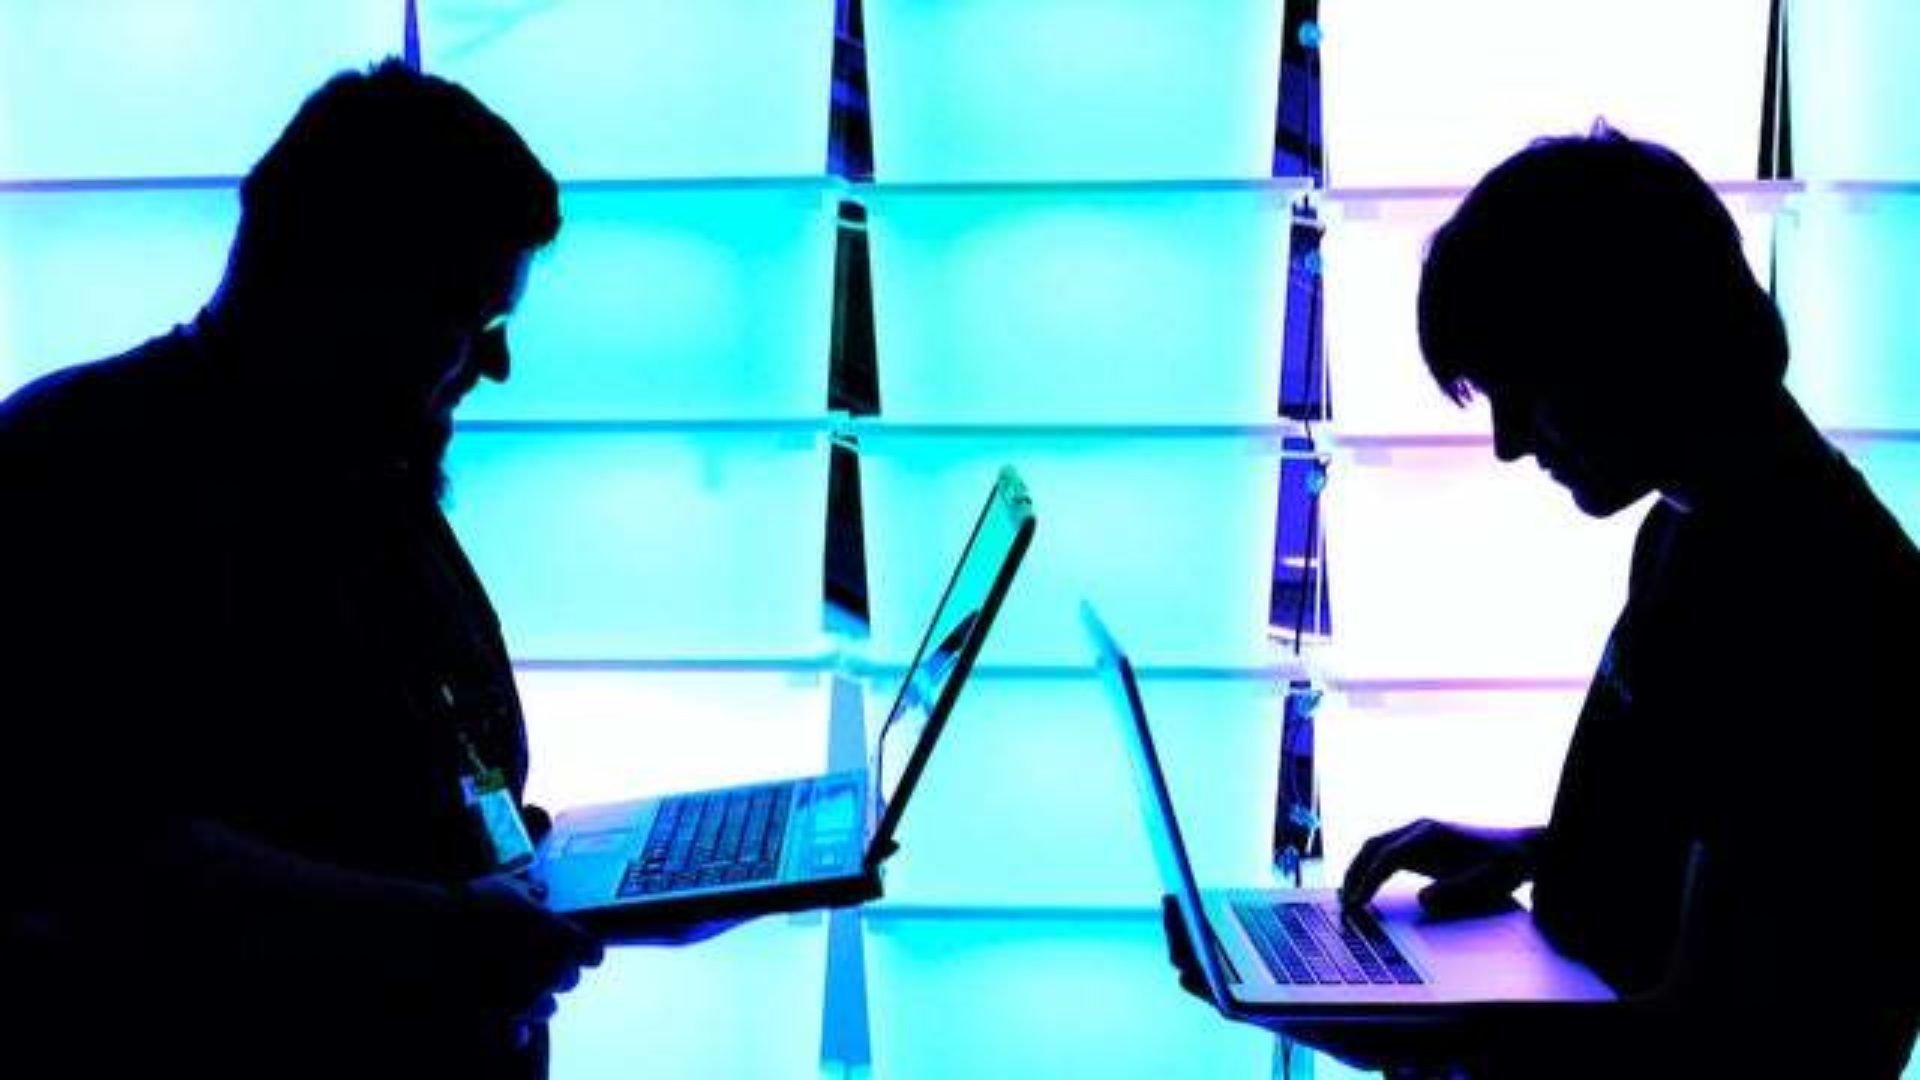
1752 716
244 664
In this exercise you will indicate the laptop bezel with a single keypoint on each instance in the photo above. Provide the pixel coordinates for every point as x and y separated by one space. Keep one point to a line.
1009 496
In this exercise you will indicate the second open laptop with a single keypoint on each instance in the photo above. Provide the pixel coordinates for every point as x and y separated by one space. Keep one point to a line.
1298 954
789 845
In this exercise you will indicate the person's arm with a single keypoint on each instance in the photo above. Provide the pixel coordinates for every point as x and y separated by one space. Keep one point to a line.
194 890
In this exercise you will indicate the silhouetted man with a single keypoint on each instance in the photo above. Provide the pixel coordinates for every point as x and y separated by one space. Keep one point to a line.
244 664
1751 716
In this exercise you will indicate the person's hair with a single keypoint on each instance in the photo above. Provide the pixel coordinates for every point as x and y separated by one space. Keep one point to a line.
390 177
1595 256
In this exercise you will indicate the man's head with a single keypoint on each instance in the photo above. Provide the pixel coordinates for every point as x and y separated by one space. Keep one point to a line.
1594 290
382 240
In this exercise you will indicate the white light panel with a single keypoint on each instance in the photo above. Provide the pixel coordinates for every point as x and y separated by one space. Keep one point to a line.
1420 93
1444 564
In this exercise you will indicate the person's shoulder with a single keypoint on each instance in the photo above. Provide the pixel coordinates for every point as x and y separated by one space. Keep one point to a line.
102 401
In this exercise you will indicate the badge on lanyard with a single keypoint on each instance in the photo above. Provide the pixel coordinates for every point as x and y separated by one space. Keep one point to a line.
489 801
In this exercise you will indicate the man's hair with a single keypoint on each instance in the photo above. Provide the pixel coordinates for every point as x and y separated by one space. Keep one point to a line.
387 175
1591 256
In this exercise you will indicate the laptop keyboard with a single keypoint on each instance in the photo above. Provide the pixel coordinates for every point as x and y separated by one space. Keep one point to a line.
710 840
1306 944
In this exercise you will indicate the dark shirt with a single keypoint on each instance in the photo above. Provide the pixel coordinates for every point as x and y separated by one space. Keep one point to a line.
1755 698
237 648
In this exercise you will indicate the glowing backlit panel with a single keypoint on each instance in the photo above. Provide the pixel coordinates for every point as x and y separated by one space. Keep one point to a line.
1854 92
1418 92
956 999
1069 305
598 546
1176 535
1061 825
85 275
108 88
605 736
1483 758
748 1003
1371 255
1893 468
1072 89
1445 564
1849 273
647 88
691 302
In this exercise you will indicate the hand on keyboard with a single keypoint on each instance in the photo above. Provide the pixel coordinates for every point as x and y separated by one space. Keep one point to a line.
1475 870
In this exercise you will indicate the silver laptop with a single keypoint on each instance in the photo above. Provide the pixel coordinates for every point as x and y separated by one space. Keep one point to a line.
1297 953
790 845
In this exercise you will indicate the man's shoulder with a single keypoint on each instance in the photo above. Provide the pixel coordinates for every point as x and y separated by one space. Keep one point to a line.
108 405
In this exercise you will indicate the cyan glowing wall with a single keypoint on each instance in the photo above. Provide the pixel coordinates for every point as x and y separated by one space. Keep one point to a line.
611 545
692 301
1072 89
87 274
1854 91
125 88
619 89
1123 304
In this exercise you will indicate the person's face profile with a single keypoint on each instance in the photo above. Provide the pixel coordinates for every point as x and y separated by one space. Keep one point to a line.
473 346
1576 435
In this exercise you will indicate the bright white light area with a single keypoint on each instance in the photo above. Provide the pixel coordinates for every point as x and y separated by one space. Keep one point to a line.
1854 91
1072 89
1029 796
612 546
1418 92
1445 564
683 303
110 88
1175 537
606 736
1145 306
85 275
748 1003
1849 272
962 999
1481 758
1372 254
647 88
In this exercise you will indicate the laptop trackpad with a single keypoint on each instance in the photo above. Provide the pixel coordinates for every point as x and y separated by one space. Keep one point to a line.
604 842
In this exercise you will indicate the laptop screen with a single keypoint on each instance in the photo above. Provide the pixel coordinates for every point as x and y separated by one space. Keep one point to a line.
1156 802
954 636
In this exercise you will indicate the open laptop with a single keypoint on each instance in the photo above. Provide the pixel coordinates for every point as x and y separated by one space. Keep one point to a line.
1297 954
790 845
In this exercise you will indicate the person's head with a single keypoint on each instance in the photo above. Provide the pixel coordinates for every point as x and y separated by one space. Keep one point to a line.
1594 290
383 238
